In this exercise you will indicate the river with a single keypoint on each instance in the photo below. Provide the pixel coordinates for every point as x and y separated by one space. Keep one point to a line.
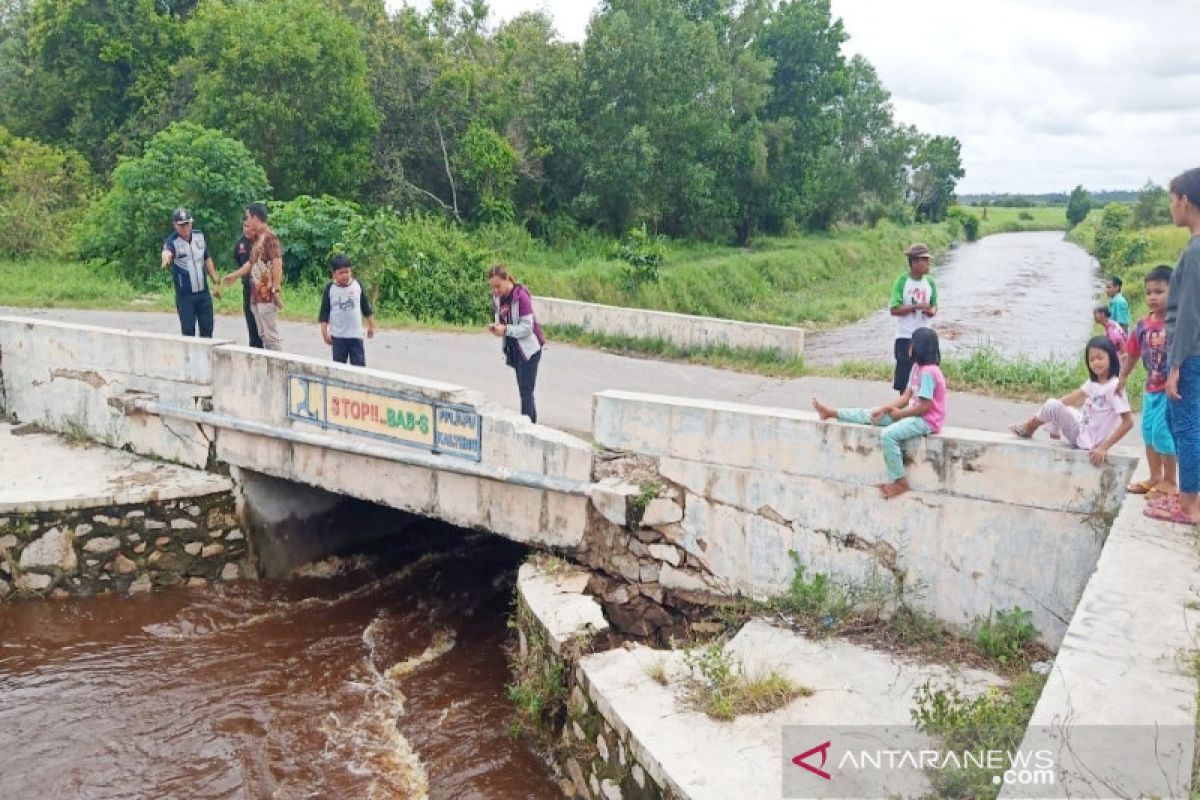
1025 294
382 679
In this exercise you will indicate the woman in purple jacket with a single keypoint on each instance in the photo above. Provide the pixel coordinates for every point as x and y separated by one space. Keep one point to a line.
512 308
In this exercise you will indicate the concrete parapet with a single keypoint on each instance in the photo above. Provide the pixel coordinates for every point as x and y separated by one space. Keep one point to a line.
260 387
992 522
76 378
682 330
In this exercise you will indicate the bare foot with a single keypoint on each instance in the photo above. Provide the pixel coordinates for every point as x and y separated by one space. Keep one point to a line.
893 489
823 411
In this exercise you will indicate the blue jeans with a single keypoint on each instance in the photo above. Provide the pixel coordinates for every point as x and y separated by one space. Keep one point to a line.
1184 416
895 433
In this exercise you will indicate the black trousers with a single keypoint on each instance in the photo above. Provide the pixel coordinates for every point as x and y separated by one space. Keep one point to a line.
903 365
349 351
251 325
527 370
195 309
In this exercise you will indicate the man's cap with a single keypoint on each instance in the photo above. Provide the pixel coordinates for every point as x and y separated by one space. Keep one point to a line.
180 216
918 251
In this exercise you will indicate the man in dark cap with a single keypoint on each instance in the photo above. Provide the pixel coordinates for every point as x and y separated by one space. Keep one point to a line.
914 302
241 254
185 252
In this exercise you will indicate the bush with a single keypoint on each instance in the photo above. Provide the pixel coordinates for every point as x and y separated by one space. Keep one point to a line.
643 256
183 165
308 228
42 191
1110 237
968 221
1027 216
420 266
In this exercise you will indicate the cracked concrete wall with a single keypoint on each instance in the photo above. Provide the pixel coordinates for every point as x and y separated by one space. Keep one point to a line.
252 385
75 378
991 522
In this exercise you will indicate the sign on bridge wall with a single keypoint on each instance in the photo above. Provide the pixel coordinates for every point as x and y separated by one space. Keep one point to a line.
445 428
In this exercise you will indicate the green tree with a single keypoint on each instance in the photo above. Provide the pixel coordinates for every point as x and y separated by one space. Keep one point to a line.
90 75
1153 206
803 42
184 165
309 229
658 90
42 189
289 79
1078 206
937 166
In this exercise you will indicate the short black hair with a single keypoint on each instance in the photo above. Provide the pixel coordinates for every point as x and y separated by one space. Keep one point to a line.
340 261
1116 281
258 211
1187 184
925 347
1161 273
1114 361
1102 310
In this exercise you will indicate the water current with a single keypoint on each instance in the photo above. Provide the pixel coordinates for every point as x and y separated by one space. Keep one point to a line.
376 676
1023 294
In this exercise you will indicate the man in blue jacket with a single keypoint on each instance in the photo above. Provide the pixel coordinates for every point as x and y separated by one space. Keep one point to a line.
185 252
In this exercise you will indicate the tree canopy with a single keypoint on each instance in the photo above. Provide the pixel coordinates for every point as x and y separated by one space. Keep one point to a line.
713 119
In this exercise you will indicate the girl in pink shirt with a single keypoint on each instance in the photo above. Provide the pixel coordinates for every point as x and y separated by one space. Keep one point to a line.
919 411
1105 416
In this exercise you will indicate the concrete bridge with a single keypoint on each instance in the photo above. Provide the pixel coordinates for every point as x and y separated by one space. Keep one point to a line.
675 501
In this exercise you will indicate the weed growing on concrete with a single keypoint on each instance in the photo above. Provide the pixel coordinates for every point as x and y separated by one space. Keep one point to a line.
724 692
539 688
656 671
77 433
993 721
1004 635
649 491
824 606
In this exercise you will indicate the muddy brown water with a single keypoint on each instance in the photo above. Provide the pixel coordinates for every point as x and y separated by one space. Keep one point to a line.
1024 294
383 679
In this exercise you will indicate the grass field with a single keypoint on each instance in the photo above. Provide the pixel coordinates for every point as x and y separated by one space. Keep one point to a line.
1009 220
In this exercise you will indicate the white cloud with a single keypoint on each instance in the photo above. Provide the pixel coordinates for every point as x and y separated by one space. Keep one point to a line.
1043 94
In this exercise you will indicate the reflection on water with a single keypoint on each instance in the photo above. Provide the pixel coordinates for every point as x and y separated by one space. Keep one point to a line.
1029 294
276 689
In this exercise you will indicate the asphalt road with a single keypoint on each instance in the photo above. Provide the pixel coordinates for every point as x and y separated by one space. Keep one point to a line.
569 376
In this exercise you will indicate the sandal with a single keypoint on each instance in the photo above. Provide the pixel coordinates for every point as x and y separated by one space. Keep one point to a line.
1160 498
1020 429
1169 512
1141 487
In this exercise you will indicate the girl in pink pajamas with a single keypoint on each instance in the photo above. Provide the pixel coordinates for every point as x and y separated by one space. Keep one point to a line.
1105 416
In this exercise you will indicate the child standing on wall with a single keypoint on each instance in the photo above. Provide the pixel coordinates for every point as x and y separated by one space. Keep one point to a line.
919 411
1118 306
343 306
1149 342
1105 417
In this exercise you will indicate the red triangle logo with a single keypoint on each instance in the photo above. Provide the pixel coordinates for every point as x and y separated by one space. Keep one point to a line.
823 749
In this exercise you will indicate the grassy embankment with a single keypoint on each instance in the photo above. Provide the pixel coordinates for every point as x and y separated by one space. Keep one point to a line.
816 281
1013 220
810 280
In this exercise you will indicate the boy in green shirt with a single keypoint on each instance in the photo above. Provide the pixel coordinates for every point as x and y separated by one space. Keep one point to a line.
913 303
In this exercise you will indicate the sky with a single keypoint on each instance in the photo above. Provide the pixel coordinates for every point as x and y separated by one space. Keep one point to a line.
1043 94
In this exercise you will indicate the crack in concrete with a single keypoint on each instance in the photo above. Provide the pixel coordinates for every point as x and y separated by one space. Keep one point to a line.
88 376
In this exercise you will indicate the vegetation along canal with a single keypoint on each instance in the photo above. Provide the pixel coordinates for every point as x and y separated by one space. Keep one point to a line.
374 676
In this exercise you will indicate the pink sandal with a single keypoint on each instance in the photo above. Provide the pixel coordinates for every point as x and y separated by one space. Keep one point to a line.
1021 429
1169 511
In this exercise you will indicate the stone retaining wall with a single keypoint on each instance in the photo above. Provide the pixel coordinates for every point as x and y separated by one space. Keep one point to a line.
682 330
992 523
556 623
122 548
